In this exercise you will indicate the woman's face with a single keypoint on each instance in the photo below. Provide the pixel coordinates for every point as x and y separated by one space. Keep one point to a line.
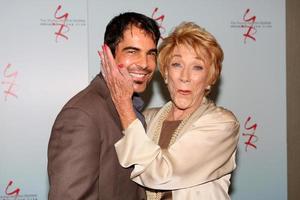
187 78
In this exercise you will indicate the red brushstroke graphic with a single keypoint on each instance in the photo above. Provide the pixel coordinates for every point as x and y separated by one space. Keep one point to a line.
13 192
250 29
159 20
9 82
251 137
62 27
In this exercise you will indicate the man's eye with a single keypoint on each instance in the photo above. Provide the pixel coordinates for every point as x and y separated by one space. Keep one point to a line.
131 51
153 53
198 67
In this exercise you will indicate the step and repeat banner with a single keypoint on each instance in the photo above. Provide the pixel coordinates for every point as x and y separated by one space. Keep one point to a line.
49 50
43 62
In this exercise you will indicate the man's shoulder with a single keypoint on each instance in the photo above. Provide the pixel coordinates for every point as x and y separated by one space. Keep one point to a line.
91 96
85 98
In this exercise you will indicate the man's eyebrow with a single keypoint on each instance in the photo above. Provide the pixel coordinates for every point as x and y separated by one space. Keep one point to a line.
130 48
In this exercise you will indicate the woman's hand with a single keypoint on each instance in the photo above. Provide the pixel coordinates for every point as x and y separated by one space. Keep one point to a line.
120 85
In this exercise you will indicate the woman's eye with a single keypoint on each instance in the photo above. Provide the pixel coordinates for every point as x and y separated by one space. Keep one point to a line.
175 64
198 67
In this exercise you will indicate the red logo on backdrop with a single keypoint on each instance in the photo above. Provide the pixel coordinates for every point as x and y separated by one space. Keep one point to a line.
63 28
250 29
251 138
9 82
159 20
12 192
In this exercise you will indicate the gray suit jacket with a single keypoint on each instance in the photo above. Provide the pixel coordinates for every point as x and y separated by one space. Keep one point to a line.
82 162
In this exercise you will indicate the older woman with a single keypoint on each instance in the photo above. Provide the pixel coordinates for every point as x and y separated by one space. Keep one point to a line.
188 150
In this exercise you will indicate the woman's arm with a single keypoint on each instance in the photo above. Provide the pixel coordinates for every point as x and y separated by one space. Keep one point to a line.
204 153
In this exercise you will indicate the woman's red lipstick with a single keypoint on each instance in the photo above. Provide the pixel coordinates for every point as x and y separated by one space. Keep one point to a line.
184 92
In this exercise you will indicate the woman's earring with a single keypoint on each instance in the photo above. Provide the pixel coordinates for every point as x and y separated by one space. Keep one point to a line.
208 87
166 80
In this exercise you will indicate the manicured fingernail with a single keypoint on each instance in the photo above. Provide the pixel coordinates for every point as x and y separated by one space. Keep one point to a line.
120 65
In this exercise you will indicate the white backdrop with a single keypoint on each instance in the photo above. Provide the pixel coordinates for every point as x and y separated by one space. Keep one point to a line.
45 59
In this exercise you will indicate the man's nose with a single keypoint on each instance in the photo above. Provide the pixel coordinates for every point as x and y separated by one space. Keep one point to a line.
143 61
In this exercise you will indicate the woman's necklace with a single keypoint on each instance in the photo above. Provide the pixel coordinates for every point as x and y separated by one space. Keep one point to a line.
157 132
163 116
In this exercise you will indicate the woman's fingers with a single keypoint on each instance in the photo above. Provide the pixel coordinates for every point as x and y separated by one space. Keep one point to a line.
102 67
106 62
116 76
109 58
125 74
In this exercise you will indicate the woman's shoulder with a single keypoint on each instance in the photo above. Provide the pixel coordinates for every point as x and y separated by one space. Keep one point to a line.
150 113
218 118
219 113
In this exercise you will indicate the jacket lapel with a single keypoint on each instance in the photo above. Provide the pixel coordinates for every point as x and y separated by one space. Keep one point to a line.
195 116
103 91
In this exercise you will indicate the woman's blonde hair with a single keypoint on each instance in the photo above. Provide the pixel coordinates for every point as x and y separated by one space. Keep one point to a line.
204 44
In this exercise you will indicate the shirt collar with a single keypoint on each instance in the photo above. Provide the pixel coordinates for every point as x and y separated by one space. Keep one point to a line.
138 102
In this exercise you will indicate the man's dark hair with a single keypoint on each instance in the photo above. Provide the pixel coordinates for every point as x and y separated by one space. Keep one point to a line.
117 26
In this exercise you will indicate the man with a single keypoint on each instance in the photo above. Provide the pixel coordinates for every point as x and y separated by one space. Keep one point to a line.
82 162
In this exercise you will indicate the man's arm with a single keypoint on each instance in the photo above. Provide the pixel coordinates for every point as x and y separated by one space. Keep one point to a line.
73 157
